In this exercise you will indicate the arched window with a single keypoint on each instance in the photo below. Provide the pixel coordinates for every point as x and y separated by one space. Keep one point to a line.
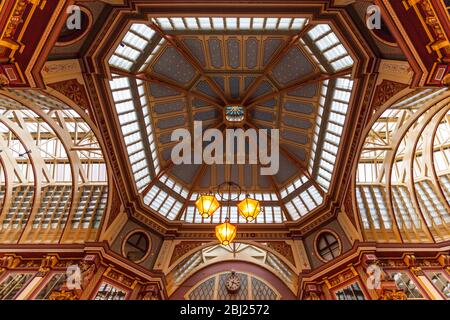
402 181
53 170
328 246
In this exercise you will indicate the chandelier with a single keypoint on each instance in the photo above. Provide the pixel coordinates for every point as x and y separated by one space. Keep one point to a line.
227 191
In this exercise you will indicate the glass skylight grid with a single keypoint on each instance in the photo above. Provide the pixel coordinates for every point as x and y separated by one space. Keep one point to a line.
133 45
162 202
433 209
305 202
53 152
329 45
339 102
171 184
373 198
404 209
230 23
318 124
148 125
125 108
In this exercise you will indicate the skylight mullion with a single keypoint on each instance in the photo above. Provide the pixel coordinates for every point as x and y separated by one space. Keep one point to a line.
337 58
291 24
323 36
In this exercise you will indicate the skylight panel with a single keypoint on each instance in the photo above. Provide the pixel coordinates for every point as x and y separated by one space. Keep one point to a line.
362 209
318 31
308 201
244 23
327 41
175 209
164 23
335 52
284 23
298 23
271 23
120 62
127 52
205 23
178 23
218 23
341 95
143 30
191 23
258 23
135 41
342 63
231 23
122 95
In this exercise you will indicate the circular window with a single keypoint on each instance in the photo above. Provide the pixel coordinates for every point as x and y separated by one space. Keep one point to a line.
136 247
328 246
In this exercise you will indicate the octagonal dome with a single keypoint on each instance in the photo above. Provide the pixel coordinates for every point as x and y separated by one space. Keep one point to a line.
286 73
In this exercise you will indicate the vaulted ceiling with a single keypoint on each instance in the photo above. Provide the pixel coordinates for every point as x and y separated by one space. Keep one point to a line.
285 72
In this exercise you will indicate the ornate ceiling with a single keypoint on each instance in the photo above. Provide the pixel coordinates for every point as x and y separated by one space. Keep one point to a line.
286 73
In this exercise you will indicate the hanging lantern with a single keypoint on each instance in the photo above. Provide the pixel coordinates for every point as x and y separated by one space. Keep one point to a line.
225 232
249 208
207 204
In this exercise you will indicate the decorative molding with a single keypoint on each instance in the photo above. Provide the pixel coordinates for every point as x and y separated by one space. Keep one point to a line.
341 277
282 248
182 248
386 90
73 90
120 278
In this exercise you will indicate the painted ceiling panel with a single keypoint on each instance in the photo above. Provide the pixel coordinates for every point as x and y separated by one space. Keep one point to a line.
195 46
159 91
307 91
234 53
293 66
171 64
299 107
251 52
215 52
271 46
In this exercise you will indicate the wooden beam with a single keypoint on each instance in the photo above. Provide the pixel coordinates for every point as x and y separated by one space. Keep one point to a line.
278 56
175 42
318 77
157 80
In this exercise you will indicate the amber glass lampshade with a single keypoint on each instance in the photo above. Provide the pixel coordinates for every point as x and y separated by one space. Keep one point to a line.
249 208
226 232
207 205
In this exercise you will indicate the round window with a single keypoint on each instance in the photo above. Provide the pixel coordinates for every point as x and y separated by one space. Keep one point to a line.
136 246
328 246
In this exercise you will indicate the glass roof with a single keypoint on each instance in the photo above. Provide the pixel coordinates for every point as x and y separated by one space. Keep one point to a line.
403 173
50 150
159 80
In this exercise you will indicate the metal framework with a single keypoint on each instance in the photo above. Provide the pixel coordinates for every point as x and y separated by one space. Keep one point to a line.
53 176
402 181
131 73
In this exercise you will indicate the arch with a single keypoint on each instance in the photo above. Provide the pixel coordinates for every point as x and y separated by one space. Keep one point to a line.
238 266
386 188
71 104
212 253
214 243
74 143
